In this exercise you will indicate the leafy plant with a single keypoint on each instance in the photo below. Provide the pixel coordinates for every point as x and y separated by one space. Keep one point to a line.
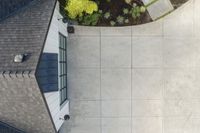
134 4
137 11
100 11
107 15
142 9
125 11
108 1
128 1
112 23
76 8
126 21
120 19
90 19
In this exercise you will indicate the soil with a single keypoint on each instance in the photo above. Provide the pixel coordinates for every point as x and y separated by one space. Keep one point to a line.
115 7
177 3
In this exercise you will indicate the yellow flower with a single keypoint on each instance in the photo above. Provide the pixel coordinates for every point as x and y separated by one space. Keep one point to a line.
76 8
91 7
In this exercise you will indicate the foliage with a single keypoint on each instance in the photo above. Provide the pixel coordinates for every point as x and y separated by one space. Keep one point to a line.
100 11
120 19
134 4
125 11
86 12
76 8
90 19
126 21
128 1
91 6
112 23
137 11
107 15
142 9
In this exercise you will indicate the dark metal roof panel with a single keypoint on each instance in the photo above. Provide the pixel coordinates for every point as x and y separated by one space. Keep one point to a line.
5 128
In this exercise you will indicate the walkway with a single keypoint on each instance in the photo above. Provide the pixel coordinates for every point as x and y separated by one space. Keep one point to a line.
158 8
140 79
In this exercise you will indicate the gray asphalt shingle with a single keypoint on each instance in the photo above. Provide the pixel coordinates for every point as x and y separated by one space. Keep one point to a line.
22 102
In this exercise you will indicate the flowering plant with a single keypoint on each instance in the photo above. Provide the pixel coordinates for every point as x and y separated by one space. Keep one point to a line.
76 8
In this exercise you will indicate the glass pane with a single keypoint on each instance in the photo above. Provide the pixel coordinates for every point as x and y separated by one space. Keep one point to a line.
62 82
63 55
59 54
60 69
63 68
64 43
65 79
63 94
60 41
64 58
61 44
64 65
64 91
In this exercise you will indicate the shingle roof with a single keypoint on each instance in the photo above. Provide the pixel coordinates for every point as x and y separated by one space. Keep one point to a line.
24 32
14 5
22 102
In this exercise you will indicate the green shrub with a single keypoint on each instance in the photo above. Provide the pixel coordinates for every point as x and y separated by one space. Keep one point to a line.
90 19
142 9
125 11
137 11
107 15
112 23
126 21
120 19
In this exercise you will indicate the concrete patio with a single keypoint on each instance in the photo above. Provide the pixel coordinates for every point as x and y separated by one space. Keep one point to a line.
139 79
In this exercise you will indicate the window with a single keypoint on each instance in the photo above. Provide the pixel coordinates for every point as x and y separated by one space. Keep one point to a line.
62 68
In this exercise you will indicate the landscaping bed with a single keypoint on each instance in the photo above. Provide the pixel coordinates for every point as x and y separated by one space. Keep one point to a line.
120 13
106 12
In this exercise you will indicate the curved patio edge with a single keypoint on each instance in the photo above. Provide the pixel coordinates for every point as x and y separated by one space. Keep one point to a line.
166 26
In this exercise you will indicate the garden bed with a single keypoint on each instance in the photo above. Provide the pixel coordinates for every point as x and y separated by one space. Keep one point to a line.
116 8
107 12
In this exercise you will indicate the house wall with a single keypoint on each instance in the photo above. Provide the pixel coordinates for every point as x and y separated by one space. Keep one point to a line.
52 46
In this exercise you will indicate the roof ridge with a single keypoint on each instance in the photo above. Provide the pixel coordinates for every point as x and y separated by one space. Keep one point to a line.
17 74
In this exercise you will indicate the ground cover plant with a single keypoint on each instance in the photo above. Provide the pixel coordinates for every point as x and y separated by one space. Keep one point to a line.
107 12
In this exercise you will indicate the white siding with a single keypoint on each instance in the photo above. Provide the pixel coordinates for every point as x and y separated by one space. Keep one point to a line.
52 46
